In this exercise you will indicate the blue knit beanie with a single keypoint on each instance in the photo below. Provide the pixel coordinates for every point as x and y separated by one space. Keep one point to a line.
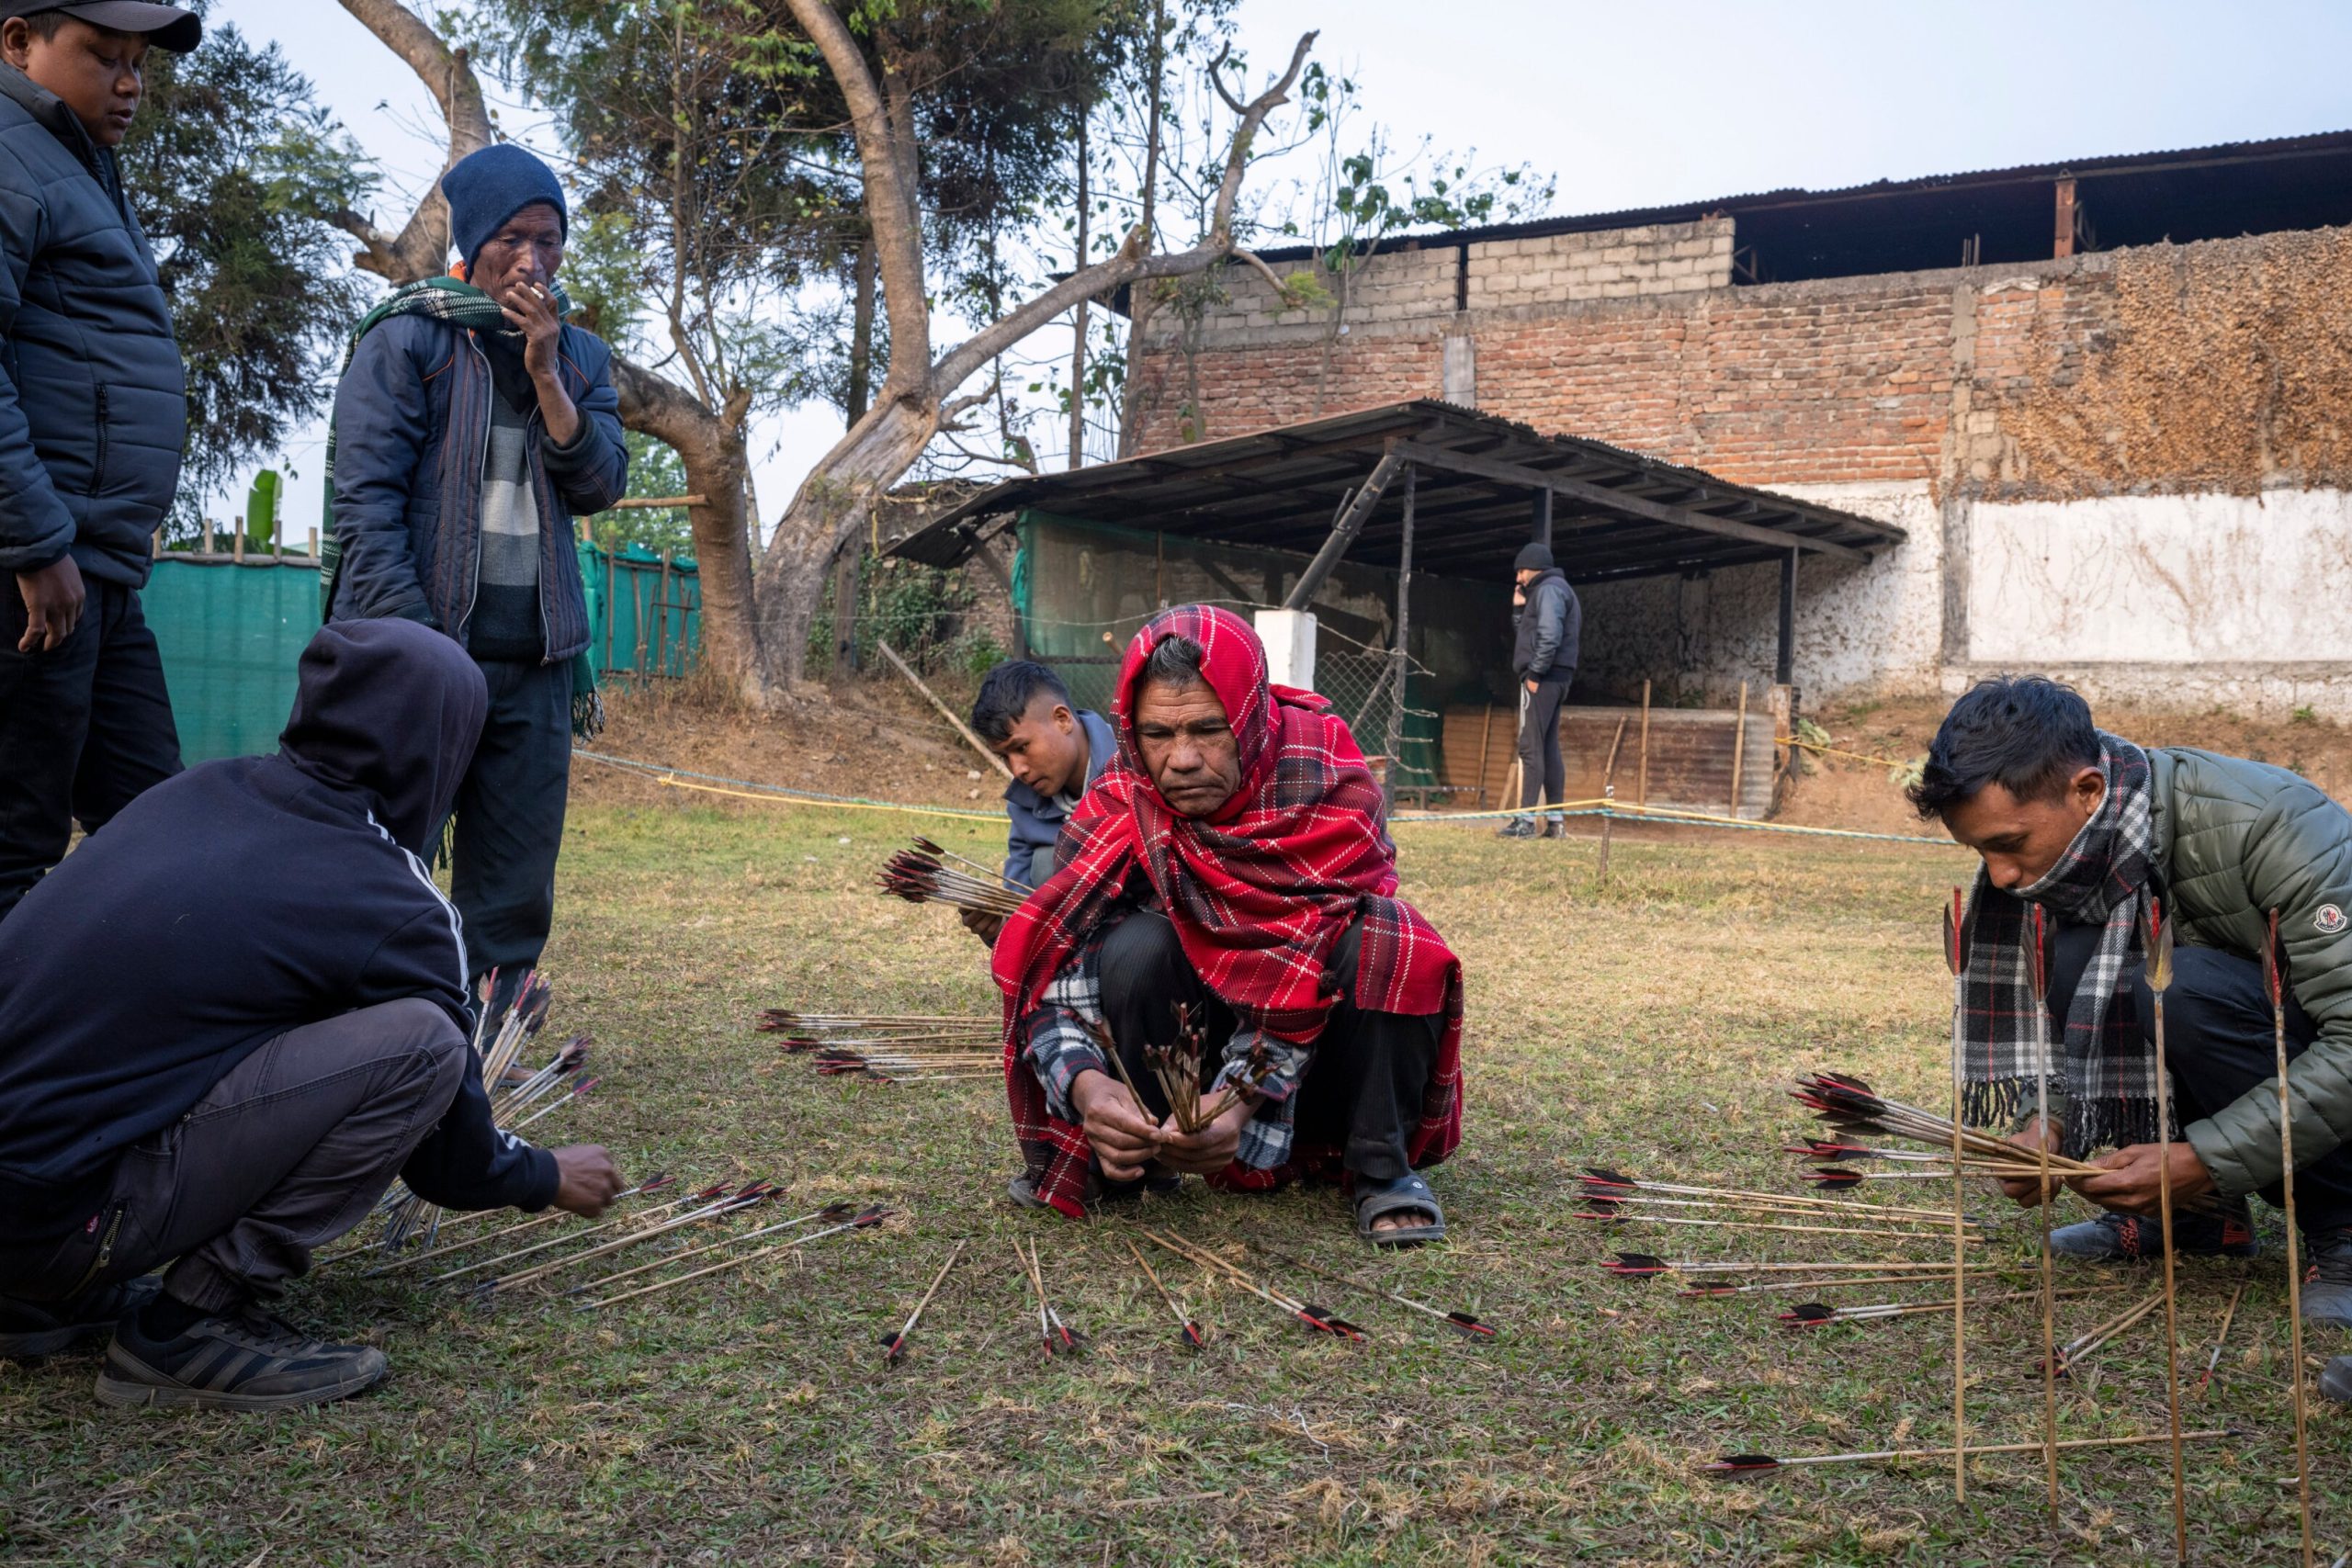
487 188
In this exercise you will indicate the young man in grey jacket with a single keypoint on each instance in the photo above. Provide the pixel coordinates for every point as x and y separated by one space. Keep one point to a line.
2099 833
1543 656
93 414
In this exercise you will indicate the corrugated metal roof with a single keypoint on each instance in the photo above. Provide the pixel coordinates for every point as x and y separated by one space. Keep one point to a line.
2322 143
1620 513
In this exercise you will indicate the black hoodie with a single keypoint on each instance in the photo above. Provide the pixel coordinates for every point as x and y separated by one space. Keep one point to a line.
239 900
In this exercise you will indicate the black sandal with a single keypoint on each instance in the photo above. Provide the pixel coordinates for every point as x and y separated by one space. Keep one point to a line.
1406 1193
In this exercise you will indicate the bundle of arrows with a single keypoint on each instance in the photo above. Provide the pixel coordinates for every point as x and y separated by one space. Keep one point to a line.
890 1047
1614 1197
923 874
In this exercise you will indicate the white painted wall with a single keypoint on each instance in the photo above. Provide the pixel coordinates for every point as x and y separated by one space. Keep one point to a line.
2193 579
1873 626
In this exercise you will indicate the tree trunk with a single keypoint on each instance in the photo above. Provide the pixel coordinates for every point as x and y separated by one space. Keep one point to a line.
832 506
717 469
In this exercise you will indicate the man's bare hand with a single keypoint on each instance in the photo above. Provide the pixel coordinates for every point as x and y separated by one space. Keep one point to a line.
1211 1149
2023 1190
982 924
2130 1178
531 308
1120 1129
586 1180
53 596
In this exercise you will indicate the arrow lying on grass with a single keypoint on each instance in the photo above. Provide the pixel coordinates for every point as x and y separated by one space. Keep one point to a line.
1049 1322
2213 1357
870 1217
1461 1322
1321 1319
1922 1275
1813 1315
1757 1464
1644 1265
830 1212
895 1345
1185 1326
654 1184
1758 1225
755 1192
706 1195
1609 1186
2078 1350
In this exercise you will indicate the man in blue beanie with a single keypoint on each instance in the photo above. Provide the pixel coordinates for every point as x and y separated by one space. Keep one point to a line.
472 425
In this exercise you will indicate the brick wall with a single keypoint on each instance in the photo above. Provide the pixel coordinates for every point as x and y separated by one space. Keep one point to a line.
2127 409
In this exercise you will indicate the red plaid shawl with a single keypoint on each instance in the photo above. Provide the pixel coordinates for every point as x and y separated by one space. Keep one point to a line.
1258 894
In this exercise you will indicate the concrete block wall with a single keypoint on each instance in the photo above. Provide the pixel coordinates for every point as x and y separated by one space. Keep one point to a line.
1607 263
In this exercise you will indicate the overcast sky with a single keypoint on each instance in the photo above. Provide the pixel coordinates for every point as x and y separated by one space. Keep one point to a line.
1629 105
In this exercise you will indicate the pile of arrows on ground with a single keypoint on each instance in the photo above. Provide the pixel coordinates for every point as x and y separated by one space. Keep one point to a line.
891 1047
1057 1338
518 1097
1866 1127
588 1257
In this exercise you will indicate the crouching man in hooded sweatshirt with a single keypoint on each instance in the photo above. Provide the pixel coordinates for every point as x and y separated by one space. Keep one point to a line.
228 1022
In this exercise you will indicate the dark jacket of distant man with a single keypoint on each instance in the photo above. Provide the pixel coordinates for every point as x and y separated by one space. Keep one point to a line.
93 416
1551 628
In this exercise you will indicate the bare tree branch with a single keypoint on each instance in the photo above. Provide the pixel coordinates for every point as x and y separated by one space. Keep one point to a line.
422 245
1131 263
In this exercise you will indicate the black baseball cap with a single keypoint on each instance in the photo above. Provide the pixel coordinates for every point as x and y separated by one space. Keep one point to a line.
167 26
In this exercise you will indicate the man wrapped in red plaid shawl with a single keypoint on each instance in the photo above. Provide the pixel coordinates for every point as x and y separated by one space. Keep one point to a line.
1272 905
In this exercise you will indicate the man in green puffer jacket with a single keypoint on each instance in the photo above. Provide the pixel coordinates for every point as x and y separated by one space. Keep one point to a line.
2093 830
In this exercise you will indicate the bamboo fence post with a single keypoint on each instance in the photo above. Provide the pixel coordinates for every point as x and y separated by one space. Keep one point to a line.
1609 800
1642 789
1739 748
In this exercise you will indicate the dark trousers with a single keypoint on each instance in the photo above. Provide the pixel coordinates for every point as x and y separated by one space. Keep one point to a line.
510 816
1540 765
290 1150
2218 1037
84 729
1362 1091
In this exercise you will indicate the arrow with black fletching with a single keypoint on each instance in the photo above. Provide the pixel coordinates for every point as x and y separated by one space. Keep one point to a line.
1815 1315
1758 1464
1465 1323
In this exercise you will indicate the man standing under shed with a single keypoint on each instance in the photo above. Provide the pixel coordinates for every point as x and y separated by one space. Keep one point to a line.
470 427
1024 714
93 414
1551 626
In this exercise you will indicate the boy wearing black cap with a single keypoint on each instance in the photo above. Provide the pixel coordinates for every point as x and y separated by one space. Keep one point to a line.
1551 625
93 414
470 427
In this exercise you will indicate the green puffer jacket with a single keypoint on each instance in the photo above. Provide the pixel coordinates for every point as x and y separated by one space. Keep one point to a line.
2235 840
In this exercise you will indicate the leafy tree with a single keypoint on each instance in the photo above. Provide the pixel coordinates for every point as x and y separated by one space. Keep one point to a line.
236 173
654 469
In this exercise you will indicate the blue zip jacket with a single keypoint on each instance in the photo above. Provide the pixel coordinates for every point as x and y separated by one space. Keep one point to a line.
93 397
239 900
1037 822
412 424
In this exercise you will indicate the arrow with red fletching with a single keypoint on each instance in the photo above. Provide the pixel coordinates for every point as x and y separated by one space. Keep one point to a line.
893 1345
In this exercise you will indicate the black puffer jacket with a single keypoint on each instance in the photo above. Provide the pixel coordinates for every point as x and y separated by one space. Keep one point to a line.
92 399
1550 630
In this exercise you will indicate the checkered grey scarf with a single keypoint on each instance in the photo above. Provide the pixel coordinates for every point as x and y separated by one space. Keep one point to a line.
2105 1071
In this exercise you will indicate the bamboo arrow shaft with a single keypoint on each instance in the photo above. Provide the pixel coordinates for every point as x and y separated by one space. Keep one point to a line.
2294 1229
601 1280
1755 1225
2000 1448
735 1262
2159 973
898 1341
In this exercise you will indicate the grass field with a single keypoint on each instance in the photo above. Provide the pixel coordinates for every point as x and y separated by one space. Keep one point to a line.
1652 1025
